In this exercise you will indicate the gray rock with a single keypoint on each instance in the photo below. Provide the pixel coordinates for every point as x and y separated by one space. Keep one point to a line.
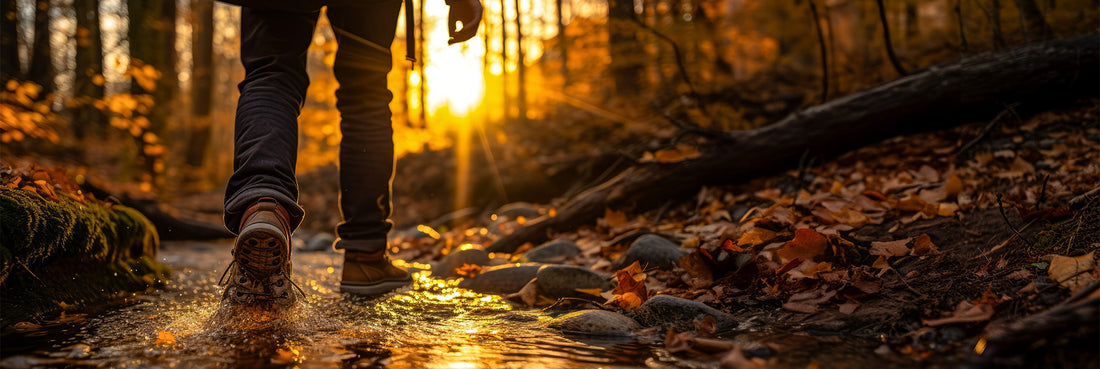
680 314
652 251
557 281
501 279
320 242
454 260
551 252
595 322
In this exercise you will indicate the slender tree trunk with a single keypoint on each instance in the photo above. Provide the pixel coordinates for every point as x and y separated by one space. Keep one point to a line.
886 40
563 44
912 24
9 41
623 44
962 27
823 53
505 105
88 79
521 66
995 23
1035 25
41 69
202 80
152 42
423 96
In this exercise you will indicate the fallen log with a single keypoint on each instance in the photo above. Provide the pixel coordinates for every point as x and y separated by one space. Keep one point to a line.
967 90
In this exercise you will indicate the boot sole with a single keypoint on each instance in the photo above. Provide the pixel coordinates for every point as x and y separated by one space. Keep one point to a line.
375 288
261 250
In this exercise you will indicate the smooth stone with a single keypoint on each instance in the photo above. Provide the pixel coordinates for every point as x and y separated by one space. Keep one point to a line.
557 281
652 251
446 267
518 209
551 252
501 279
320 242
595 322
680 314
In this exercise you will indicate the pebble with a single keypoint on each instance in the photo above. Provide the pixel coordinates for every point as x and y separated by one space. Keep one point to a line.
551 252
446 267
680 314
320 242
595 322
652 251
557 281
502 279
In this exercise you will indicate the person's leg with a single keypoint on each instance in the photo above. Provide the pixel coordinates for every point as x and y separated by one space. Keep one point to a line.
364 33
273 52
261 197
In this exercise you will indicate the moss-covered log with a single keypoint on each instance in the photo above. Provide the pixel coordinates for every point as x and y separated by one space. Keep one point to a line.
65 251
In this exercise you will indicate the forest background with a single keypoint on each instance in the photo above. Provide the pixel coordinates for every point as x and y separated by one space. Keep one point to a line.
552 96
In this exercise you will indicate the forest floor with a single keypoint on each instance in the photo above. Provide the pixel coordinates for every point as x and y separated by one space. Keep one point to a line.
969 245
932 244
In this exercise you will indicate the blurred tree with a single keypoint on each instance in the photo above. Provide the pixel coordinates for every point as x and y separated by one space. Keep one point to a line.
152 38
9 40
626 66
88 79
1035 25
41 61
202 80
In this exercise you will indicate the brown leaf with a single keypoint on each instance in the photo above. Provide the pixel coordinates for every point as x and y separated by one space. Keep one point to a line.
954 186
966 312
848 308
631 282
164 338
891 248
529 294
1073 272
923 245
468 270
613 219
806 245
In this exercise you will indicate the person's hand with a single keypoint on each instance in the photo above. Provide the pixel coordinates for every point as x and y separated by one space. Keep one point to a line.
469 13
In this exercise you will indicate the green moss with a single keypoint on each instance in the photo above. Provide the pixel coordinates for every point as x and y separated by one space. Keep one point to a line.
66 251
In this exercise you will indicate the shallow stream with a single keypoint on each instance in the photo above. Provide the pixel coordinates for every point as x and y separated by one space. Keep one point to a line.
430 325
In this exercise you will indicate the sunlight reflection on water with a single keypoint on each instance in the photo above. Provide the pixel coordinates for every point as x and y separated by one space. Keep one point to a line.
433 324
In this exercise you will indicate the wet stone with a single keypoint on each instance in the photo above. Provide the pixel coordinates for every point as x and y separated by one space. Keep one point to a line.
595 322
320 242
446 267
551 252
652 251
501 280
557 281
680 314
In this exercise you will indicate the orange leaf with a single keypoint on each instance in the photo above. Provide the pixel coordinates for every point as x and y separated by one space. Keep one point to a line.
631 282
923 245
806 245
627 301
468 270
164 338
613 219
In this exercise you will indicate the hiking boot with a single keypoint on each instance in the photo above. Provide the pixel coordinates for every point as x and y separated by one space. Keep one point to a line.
371 274
261 256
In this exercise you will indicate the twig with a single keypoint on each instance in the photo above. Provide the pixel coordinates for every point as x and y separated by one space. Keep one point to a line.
573 299
906 283
1001 207
889 44
1042 193
988 127
679 62
824 56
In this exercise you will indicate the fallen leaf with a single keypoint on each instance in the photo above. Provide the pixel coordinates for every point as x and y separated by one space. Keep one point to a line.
848 308
954 186
468 270
806 245
966 312
923 245
613 219
890 248
165 338
529 294
631 282
1073 272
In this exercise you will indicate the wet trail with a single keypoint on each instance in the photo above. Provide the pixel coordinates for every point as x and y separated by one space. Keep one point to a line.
430 325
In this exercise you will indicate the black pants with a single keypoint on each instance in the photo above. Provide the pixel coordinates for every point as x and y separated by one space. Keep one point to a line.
273 51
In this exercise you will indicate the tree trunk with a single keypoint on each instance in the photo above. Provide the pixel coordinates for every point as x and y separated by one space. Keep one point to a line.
202 80
9 41
563 44
88 79
41 62
152 42
1035 25
626 63
521 67
933 98
995 23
